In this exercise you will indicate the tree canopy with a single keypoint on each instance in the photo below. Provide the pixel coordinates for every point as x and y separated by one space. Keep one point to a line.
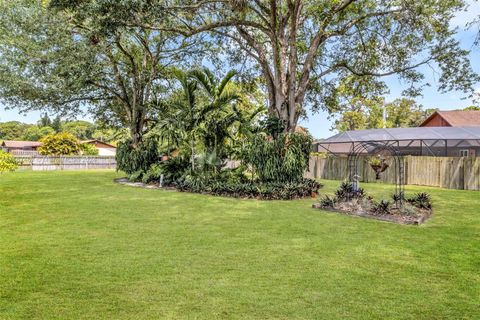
305 49
54 55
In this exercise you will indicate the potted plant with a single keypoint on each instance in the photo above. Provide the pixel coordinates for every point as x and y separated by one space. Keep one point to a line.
378 165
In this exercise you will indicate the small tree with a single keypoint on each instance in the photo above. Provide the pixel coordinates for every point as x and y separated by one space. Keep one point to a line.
7 162
59 144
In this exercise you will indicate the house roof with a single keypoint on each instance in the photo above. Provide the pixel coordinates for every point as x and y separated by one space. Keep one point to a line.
457 118
21 144
98 141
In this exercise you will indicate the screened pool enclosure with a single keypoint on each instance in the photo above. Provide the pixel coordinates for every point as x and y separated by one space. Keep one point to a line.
422 141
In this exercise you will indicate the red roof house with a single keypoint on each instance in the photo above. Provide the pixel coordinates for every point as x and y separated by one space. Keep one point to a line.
456 118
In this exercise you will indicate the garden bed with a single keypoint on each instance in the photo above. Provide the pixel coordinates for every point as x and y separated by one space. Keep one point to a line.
393 216
261 191
400 209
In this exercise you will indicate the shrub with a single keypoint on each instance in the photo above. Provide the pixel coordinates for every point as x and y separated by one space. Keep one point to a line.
153 174
59 144
382 207
131 158
421 200
328 202
136 176
266 191
7 162
284 158
346 192
398 197
88 149
174 169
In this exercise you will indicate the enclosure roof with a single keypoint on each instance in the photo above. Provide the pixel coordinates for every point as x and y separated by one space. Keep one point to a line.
405 134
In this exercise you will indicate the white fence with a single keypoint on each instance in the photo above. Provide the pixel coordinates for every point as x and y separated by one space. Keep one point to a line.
42 163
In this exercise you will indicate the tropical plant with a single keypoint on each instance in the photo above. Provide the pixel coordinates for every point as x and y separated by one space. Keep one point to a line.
266 191
282 159
381 207
59 144
174 169
201 117
328 202
7 162
139 158
397 197
421 200
153 174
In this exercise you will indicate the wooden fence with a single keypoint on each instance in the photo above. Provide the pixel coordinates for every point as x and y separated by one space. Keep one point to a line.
41 163
444 172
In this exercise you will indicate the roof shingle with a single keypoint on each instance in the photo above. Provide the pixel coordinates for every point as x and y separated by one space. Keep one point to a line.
460 118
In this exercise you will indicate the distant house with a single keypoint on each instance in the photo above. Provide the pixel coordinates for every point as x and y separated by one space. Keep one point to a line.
104 149
21 147
457 118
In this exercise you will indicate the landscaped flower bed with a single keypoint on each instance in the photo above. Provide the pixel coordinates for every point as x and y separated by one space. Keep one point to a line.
305 188
413 210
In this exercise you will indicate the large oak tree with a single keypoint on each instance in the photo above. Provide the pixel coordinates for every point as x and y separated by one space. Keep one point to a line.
304 48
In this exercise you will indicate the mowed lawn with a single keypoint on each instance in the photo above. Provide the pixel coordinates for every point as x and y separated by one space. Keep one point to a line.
75 245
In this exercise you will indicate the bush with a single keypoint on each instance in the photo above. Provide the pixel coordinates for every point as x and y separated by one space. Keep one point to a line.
59 144
346 192
7 162
328 202
87 149
284 158
382 207
132 159
136 176
153 174
421 200
265 191
174 169
397 197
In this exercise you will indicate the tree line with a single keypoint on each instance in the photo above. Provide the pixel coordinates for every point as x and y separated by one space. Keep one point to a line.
81 130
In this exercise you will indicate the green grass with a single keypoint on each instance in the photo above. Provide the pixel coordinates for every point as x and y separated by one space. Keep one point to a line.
75 245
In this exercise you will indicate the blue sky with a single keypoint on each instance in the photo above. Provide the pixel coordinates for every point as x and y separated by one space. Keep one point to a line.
318 124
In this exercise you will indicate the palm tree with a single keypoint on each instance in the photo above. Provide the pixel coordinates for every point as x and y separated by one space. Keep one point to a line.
220 112
181 124
203 113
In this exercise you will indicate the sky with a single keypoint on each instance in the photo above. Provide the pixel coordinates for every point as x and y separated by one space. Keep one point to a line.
320 126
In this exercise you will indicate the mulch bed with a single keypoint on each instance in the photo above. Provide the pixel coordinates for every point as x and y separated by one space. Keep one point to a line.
126 182
395 218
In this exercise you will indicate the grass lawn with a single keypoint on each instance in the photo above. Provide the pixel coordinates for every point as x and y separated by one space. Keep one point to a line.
76 245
